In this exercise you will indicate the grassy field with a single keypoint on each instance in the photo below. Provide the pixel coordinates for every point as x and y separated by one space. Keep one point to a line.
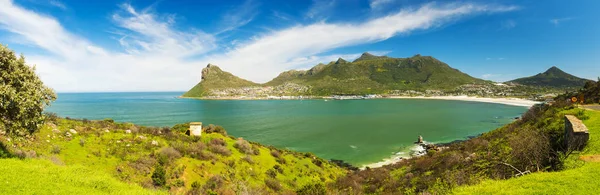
124 152
580 177
36 176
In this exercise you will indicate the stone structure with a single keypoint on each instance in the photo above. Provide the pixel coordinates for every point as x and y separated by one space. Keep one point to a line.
195 128
576 133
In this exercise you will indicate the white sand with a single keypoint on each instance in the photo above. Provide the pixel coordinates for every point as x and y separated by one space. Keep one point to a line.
506 101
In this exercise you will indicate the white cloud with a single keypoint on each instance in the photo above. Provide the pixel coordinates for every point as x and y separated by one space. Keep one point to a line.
156 55
239 16
264 57
378 4
319 8
557 21
58 4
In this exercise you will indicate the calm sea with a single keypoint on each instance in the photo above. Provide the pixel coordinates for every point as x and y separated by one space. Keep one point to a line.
357 131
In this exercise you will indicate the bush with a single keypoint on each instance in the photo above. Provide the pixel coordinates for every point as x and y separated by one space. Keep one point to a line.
168 155
275 153
24 95
82 142
273 184
222 150
159 176
218 141
243 146
214 129
312 189
55 149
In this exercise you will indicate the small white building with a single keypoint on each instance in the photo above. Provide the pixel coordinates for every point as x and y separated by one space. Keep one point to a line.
195 128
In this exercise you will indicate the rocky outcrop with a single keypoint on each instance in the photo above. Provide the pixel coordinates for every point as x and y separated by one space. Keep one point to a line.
576 133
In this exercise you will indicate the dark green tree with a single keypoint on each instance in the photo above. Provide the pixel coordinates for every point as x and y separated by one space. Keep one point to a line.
159 176
23 95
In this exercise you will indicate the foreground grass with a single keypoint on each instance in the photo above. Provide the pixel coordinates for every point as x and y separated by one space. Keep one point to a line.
579 177
36 176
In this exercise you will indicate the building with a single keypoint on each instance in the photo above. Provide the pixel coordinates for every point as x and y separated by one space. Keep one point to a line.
195 128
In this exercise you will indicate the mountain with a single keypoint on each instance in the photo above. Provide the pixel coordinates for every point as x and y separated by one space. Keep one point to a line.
369 74
554 78
377 74
215 78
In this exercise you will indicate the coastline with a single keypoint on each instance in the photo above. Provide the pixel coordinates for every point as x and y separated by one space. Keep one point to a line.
505 100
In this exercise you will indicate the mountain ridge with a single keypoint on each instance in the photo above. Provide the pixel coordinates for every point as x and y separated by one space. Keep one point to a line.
553 77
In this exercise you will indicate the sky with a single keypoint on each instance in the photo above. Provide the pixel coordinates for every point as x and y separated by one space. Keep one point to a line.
162 45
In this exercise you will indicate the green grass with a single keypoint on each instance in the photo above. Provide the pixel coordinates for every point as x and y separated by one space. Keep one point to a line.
132 158
579 177
36 176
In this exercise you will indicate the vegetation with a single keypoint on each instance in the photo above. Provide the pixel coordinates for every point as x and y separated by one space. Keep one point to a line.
368 74
214 78
554 78
23 96
38 176
166 158
531 144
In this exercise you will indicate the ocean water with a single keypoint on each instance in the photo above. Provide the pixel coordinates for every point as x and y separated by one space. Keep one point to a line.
357 131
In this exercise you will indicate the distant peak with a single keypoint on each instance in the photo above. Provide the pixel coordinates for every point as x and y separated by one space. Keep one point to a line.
367 54
554 69
340 61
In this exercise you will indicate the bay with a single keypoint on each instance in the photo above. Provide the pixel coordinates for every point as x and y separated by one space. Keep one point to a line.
357 131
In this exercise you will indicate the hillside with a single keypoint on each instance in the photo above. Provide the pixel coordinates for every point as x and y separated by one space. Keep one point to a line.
155 158
366 75
553 78
215 78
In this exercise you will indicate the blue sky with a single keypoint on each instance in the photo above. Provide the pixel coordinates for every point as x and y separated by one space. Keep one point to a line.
163 45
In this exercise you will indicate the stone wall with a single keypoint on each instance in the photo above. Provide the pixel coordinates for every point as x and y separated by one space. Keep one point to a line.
576 133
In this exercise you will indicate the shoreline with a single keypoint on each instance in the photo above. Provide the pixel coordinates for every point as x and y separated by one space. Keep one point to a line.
503 100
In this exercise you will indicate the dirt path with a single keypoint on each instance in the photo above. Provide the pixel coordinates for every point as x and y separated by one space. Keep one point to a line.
592 107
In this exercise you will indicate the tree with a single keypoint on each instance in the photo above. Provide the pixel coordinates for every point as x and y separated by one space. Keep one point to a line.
159 176
23 95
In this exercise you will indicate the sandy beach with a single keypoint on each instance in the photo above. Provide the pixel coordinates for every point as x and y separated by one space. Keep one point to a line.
506 101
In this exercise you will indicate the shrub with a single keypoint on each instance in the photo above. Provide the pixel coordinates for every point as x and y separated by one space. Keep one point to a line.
273 184
24 95
214 129
248 159
82 142
243 146
168 155
55 149
222 150
215 182
218 141
275 153
196 148
159 176
312 189
271 173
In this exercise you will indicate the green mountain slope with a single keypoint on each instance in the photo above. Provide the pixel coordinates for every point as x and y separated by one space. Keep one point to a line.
366 75
215 78
377 74
553 77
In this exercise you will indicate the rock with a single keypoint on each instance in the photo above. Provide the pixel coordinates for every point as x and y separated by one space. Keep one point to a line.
8 139
68 134
128 131
127 145
48 141
141 137
154 143
106 130
118 141
73 131
55 131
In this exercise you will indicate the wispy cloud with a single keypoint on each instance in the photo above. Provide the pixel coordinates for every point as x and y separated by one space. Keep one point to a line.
378 4
239 16
155 55
58 4
508 24
557 21
495 58
319 7
258 61
490 76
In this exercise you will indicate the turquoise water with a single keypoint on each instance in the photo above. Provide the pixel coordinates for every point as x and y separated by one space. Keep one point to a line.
357 131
